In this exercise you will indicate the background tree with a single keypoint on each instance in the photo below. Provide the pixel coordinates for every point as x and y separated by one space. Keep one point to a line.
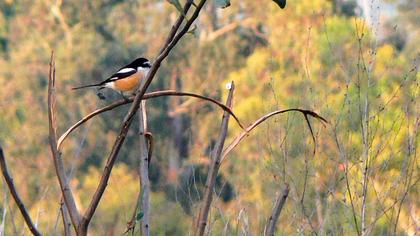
310 55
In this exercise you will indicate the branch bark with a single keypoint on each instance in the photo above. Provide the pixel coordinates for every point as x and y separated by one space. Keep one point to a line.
15 195
214 169
58 162
144 171
66 219
270 228
167 47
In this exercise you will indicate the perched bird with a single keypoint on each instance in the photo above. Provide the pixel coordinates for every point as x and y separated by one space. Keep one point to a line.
127 79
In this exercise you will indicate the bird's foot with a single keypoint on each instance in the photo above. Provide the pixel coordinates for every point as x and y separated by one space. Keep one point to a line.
101 96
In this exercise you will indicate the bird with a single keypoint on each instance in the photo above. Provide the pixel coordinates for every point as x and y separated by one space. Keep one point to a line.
126 79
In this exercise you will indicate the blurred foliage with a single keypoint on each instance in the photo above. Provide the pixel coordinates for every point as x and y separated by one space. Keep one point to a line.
316 55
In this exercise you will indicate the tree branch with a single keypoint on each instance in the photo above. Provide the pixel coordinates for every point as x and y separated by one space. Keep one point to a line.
66 219
58 162
270 228
146 96
144 170
214 169
15 195
176 26
246 132
168 45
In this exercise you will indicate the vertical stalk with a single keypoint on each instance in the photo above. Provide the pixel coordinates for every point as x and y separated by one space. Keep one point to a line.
270 228
214 168
144 171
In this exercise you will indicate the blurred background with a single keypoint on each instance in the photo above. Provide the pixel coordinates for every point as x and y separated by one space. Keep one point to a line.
353 62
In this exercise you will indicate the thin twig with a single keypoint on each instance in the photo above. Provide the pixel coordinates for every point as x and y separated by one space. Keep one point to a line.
346 177
58 162
15 195
5 201
176 26
270 228
364 113
131 225
65 217
214 168
246 132
146 96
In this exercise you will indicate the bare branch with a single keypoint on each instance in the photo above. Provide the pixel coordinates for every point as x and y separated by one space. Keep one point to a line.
176 26
15 195
65 217
146 96
168 46
270 228
214 169
58 162
144 170
246 132
346 177
131 225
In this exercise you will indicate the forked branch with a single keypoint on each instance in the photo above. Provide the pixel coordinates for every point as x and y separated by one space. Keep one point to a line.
58 162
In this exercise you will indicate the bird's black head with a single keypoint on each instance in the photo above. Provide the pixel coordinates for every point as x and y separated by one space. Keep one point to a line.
140 62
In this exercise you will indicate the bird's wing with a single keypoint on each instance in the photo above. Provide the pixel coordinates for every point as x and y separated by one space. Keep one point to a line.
121 74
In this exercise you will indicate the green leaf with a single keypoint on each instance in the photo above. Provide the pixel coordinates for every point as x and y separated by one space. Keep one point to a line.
222 3
139 216
178 6
281 3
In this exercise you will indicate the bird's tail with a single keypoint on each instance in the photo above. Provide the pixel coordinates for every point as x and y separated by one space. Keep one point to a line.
86 86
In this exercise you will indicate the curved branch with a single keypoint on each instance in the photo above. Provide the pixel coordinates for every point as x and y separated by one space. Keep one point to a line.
246 132
15 195
146 96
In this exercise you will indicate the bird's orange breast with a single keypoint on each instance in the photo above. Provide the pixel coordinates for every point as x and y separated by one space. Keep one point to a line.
129 83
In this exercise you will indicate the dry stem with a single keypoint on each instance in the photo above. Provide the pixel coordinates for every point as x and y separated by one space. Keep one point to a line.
15 195
58 162
214 169
270 228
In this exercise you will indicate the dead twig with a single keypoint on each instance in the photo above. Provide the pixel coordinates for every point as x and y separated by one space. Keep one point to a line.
146 96
144 170
58 162
131 225
246 132
214 169
270 228
15 195
65 217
